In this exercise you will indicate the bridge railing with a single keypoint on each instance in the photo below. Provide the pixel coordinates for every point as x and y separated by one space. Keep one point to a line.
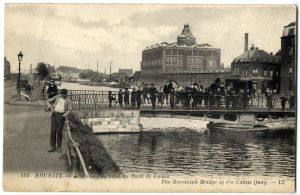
85 99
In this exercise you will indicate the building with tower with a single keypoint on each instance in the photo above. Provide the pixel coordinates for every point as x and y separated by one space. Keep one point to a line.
185 61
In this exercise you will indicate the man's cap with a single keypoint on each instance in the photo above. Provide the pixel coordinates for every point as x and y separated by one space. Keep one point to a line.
64 91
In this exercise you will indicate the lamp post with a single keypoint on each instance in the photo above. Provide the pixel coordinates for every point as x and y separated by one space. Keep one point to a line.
20 56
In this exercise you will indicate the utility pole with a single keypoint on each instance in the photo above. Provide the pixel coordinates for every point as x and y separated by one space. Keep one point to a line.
97 69
110 70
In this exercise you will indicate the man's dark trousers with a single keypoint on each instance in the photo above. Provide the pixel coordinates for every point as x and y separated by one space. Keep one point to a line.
57 124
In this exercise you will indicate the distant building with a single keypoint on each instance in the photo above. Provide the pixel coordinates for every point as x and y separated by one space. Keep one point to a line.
68 73
126 71
6 69
124 74
255 69
288 58
184 61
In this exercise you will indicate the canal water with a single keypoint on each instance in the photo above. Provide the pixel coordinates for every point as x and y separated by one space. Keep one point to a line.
184 152
77 86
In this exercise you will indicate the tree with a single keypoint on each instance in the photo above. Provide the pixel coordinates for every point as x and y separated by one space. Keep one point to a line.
51 69
42 70
88 74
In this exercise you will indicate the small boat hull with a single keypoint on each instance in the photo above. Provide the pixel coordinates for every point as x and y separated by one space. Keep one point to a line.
249 128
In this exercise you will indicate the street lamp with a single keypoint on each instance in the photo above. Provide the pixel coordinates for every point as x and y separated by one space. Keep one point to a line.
20 56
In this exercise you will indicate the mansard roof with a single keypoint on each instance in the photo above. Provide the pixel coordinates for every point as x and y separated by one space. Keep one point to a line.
165 44
255 55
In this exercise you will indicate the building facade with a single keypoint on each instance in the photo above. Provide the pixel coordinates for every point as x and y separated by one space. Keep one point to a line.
180 60
288 58
6 69
256 69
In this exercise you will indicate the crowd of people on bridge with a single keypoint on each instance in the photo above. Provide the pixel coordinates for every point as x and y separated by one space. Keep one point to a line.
216 96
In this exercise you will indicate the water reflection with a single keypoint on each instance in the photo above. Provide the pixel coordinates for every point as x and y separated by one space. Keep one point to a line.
186 152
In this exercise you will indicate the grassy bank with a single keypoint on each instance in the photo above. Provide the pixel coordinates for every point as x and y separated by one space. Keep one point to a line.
94 153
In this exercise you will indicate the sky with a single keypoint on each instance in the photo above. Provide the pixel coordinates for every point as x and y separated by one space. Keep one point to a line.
79 35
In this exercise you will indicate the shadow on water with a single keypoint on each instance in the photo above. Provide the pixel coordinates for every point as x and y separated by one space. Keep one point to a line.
187 152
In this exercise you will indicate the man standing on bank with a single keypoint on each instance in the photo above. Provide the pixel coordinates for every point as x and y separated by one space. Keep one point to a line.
60 110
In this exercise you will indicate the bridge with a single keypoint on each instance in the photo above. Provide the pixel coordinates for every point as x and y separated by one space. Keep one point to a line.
90 99
102 112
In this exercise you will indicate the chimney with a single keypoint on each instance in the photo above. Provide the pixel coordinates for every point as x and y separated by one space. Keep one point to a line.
246 42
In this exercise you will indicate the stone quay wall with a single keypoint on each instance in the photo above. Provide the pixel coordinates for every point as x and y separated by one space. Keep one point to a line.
111 121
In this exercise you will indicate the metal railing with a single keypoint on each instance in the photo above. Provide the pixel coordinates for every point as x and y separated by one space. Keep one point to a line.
72 148
85 99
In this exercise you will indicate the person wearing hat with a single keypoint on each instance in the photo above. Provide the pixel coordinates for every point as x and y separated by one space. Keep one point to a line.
60 110
126 97
153 93
52 90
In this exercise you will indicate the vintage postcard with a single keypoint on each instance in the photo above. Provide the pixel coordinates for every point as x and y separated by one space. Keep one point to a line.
149 98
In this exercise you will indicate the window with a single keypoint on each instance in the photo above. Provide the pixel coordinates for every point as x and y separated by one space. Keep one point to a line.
215 63
236 71
291 31
189 61
254 86
174 52
209 53
174 61
189 52
271 73
265 72
209 62
216 54
168 61
168 52
290 70
179 61
201 53
255 72
290 84
195 53
291 51
195 61
180 52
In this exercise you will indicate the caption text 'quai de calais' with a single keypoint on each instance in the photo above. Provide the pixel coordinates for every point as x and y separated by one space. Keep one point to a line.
165 179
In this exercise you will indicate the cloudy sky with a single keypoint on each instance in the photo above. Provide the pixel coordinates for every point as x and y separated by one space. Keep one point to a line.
80 34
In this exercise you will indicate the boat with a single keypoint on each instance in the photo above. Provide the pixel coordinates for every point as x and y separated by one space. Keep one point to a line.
250 128
235 127
287 125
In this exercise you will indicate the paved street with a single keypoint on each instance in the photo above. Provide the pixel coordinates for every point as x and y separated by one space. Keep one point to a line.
26 139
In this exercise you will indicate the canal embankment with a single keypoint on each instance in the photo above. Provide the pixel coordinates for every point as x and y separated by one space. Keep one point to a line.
94 153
